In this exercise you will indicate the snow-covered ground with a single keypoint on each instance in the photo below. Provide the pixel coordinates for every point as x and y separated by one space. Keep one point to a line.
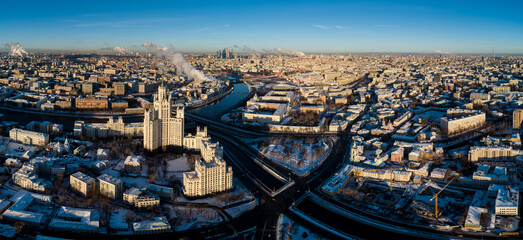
178 165
111 172
237 211
176 168
298 155
508 223
186 218
17 150
288 229
239 194
137 182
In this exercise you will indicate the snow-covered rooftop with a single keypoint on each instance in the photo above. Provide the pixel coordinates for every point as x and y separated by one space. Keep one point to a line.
157 223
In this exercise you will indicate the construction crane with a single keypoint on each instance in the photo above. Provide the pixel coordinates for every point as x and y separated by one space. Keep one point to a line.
436 197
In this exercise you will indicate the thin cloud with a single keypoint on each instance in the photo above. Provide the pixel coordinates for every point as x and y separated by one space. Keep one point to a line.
320 26
340 27
226 25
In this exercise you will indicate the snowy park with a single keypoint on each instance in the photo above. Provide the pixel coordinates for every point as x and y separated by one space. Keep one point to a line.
301 155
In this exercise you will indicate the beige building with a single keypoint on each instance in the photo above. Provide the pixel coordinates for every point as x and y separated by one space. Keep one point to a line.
29 137
517 117
92 102
507 202
87 88
477 153
27 178
140 199
82 183
110 186
112 128
119 89
265 113
459 120
119 105
211 175
162 128
195 142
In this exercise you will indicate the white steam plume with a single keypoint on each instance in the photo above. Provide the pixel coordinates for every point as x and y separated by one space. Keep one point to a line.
441 52
122 50
185 68
182 66
289 52
16 49
154 46
248 50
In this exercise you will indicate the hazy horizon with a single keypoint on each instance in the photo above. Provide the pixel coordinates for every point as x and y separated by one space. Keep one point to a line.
464 27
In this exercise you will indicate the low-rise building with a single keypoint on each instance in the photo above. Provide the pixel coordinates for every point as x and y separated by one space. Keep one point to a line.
439 173
27 178
133 164
496 154
473 217
154 226
29 137
78 220
507 202
140 198
482 176
163 192
397 155
113 128
402 176
18 211
91 103
422 171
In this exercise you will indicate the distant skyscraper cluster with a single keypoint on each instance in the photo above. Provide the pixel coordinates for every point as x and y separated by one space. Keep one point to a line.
226 53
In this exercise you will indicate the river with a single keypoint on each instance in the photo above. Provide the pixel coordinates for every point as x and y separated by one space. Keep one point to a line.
215 111
222 106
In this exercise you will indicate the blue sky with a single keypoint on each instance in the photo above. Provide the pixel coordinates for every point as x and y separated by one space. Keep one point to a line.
309 26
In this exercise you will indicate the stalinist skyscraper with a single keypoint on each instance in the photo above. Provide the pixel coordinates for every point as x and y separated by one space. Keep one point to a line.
162 127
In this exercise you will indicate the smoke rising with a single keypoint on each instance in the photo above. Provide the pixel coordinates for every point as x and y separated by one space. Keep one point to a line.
182 66
289 52
441 52
122 50
154 46
248 50
185 68
16 49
